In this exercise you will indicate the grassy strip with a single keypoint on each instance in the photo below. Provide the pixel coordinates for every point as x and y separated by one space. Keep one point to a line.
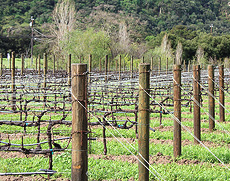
193 152
100 169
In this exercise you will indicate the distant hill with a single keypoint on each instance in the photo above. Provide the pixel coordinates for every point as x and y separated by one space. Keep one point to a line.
157 15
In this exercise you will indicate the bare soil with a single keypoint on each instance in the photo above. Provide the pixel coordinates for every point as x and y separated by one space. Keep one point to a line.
30 178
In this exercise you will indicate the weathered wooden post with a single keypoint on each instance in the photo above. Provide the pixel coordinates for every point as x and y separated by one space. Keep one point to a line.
189 64
151 65
100 65
109 65
54 62
184 67
143 60
13 82
221 93
45 74
69 70
131 67
177 110
211 100
120 67
159 68
36 64
167 65
10 60
143 121
90 63
22 65
39 64
196 102
1 59
45 68
90 67
106 68
79 123
116 66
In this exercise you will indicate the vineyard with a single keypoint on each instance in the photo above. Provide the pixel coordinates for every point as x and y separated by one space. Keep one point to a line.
187 132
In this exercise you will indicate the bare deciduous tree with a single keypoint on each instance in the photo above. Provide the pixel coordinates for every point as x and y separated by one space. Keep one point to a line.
64 21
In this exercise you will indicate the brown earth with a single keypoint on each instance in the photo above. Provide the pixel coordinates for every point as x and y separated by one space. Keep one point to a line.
29 178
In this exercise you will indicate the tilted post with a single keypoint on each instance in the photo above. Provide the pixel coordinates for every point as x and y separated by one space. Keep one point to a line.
79 123
221 93
143 121
211 100
196 102
177 110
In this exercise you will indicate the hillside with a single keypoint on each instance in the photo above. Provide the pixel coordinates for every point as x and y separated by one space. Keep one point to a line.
159 15
144 18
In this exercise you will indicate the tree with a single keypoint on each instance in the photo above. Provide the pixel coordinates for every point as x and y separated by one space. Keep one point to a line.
64 19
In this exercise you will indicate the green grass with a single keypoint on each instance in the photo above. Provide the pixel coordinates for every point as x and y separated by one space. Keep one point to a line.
100 169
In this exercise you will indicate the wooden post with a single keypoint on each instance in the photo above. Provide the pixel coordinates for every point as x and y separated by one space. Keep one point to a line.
159 68
45 72
39 64
22 68
13 82
177 110
143 121
211 100
151 65
131 67
116 65
45 68
106 67
196 102
143 59
221 93
90 63
189 62
36 64
1 59
69 70
120 67
54 61
167 65
10 61
79 123
108 64
100 65
90 66
184 67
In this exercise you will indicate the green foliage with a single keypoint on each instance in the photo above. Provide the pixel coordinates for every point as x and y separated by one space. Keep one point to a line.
215 47
82 43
